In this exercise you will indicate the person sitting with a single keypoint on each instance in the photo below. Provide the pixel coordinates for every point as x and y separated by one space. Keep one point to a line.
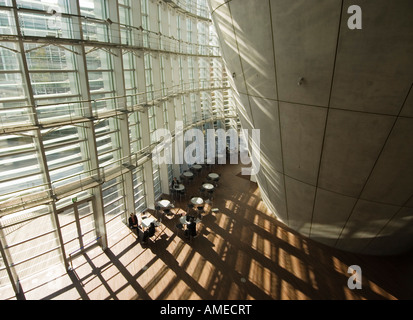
133 223
175 183
150 232
151 229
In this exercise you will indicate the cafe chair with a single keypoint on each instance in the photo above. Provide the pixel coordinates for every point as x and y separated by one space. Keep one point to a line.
190 179
202 192
157 211
179 226
182 194
190 206
215 182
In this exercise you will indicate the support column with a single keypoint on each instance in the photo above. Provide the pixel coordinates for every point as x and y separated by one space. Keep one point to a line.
89 134
127 159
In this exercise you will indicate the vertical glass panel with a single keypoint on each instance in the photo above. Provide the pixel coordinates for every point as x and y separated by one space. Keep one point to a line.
60 6
125 21
135 132
11 87
148 76
63 156
170 173
31 235
64 134
98 59
45 25
100 81
87 222
9 57
93 8
107 142
114 205
53 83
139 191
55 108
5 284
70 235
156 181
7 23
71 174
165 115
50 57
145 22
100 76
95 31
19 162
19 186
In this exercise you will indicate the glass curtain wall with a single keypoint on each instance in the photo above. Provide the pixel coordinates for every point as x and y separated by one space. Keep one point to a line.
78 103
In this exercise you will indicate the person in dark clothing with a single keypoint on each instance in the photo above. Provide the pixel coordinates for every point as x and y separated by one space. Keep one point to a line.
150 232
175 182
134 223
191 228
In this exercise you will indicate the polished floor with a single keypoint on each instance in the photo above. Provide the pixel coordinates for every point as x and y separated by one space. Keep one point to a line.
242 252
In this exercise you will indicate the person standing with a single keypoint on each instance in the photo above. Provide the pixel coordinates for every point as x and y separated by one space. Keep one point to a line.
134 223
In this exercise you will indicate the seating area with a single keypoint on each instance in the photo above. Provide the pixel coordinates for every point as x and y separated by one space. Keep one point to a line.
186 211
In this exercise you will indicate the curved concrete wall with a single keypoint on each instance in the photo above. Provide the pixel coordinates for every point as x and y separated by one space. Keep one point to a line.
336 148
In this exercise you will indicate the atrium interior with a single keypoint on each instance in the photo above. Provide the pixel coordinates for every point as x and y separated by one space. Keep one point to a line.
90 90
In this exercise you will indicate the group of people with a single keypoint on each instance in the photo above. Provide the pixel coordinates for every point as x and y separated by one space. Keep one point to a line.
134 224
190 230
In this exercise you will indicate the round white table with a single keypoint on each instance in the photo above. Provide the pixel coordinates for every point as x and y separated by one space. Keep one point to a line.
188 174
213 176
197 166
147 222
183 220
197 200
179 187
164 203
208 186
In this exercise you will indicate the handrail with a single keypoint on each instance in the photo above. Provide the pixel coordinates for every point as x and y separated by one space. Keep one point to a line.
119 101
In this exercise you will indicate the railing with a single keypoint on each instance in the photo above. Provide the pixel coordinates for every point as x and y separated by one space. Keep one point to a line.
77 111
98 31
